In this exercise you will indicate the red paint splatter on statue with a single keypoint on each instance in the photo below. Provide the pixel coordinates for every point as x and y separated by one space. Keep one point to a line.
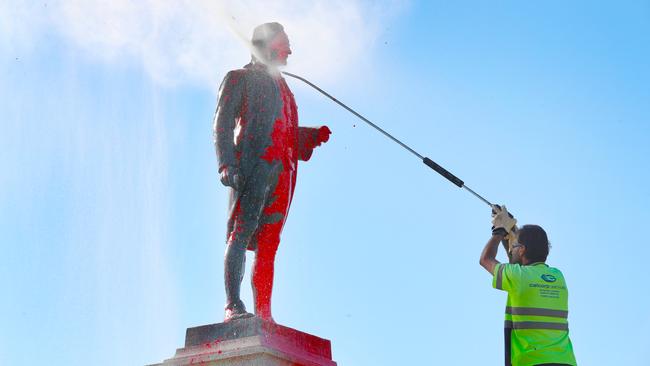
284 147
287 144
284 137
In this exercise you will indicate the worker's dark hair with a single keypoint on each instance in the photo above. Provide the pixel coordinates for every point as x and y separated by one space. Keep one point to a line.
264 33
534 238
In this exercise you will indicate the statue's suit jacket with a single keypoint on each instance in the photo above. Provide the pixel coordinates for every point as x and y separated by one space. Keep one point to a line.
250 103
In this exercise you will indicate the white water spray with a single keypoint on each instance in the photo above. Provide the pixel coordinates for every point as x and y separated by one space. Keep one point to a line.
191 41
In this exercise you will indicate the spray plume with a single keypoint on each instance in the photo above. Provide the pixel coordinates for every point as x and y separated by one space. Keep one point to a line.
190 41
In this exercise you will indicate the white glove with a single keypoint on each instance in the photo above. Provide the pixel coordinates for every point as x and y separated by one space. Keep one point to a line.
502 221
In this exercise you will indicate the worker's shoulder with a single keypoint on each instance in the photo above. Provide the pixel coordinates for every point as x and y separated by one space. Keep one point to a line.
555 271
530 269
544 271
511 266
510 270
544 267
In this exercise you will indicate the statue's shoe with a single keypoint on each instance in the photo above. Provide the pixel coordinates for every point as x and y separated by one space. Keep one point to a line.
236 310
233 315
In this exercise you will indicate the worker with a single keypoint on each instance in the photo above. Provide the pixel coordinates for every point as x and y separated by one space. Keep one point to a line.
536 327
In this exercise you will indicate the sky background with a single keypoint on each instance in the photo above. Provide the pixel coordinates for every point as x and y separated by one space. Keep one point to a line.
112 217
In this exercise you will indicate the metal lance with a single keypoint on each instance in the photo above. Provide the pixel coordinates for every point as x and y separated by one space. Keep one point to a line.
428 162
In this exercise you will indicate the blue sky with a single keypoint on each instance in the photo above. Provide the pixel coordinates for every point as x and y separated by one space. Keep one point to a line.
112 219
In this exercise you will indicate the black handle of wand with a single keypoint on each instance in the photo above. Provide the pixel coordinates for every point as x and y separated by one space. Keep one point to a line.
444 172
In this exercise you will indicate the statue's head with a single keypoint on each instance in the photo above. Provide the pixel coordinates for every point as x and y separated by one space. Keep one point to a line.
270 44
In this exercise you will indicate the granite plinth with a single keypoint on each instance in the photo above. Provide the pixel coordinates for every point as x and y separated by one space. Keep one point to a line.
251 342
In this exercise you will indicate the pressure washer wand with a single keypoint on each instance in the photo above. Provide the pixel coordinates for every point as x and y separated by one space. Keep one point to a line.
428 162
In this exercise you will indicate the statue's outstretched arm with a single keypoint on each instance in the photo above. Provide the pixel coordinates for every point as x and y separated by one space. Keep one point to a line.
309 138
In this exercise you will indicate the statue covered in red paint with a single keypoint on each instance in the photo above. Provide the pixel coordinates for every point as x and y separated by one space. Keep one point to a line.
258 143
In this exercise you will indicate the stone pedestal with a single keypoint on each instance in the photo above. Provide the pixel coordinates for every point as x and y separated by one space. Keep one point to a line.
251 342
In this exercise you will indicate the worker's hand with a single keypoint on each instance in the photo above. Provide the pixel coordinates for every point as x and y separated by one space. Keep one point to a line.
502 221
230 177
323 135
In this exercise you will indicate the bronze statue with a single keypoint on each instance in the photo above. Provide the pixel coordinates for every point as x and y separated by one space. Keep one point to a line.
258 143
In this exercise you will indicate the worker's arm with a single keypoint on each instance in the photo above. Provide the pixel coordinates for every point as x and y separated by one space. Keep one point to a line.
488 256
502 224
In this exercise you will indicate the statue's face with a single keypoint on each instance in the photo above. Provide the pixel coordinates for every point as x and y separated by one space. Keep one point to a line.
279 49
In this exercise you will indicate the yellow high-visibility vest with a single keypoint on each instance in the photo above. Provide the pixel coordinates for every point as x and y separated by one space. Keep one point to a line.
536 313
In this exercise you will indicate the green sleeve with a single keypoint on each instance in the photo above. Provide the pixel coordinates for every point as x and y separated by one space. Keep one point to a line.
506 277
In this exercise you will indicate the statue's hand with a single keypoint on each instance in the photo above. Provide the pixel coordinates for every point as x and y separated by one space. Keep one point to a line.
230 177
323 135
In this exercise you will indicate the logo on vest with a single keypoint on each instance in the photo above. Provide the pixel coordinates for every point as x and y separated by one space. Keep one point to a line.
549 278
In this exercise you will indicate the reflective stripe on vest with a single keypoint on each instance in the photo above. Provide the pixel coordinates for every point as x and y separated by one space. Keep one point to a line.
536 325
500 277
512 310
537 312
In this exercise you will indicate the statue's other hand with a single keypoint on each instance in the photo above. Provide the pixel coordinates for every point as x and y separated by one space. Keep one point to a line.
230 177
